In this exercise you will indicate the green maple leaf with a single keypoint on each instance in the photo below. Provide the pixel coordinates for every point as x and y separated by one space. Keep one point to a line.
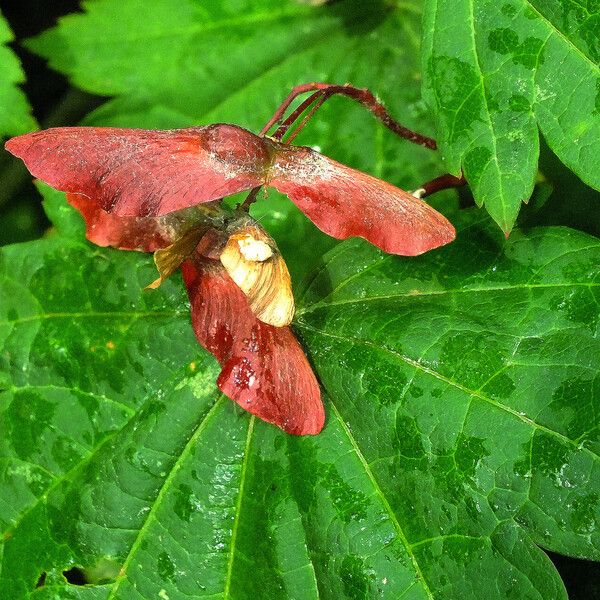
461 429
459 386
495 72
15 112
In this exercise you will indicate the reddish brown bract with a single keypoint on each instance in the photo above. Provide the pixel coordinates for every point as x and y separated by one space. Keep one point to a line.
264 368
142 173
145 234
344 202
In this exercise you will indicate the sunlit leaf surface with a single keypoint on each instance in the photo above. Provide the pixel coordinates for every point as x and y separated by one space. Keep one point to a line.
494 73
460 387
461 428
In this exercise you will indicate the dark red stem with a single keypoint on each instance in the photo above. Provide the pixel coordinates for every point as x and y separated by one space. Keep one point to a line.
250 199
443 182
306 118
323 91
295 115
361 95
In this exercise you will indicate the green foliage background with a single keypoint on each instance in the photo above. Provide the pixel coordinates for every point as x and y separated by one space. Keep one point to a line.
461 387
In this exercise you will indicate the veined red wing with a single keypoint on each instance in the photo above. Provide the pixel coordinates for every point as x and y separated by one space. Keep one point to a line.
264 369
146 234
344 202
145 173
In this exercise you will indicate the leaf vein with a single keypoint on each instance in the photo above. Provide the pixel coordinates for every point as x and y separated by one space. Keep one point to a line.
525 286
474 393
383 499
238 507
164 488
561 35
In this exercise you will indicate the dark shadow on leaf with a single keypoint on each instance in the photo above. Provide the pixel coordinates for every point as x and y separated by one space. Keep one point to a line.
560 198
75 576
359 17
581 577
104 571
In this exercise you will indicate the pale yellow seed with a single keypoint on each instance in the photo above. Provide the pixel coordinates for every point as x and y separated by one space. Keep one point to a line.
253 249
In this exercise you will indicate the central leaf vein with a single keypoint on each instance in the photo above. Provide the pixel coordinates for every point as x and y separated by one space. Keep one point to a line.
382 497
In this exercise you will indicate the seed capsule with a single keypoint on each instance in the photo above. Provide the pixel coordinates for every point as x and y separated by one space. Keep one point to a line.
253 261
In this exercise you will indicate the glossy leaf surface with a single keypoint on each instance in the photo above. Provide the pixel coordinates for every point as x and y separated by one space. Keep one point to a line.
15 113
461 428
496 71
161 496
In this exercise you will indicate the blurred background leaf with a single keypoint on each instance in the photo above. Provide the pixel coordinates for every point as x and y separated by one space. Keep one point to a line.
15 116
